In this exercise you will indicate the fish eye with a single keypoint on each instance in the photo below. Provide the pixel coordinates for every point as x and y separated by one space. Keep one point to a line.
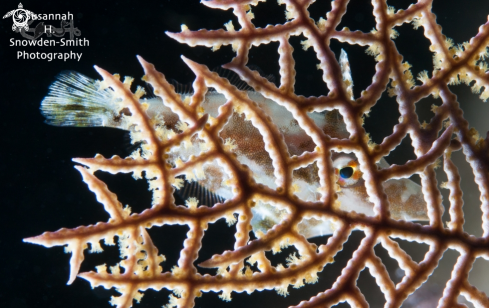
347 170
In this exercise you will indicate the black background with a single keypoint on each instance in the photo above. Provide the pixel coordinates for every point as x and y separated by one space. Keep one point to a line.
41 191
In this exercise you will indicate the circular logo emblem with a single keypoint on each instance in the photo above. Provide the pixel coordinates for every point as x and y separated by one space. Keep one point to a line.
21 18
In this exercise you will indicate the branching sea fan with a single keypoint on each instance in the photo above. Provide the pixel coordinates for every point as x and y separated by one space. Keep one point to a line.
283 167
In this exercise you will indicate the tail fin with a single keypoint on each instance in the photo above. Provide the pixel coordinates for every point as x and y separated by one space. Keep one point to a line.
76 100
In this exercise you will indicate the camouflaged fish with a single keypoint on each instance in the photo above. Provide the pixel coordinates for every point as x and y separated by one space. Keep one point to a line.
76 100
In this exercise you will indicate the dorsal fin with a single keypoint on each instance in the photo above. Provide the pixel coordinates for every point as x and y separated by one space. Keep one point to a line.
181 88
269 77
187 89
233 78
236 81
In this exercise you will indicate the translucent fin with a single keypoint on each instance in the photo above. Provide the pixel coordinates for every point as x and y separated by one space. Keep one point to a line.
345 71
180 88
269 77
194 189
236 81
232 77
76 100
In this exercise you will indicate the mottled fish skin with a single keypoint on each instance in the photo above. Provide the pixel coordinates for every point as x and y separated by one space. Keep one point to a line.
76 100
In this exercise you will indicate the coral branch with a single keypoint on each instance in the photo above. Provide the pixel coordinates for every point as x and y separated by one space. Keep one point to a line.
284 167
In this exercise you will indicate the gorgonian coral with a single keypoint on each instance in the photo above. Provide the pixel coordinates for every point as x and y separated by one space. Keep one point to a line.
247 267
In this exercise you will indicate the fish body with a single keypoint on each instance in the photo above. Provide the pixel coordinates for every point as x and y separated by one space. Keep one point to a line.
76 100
